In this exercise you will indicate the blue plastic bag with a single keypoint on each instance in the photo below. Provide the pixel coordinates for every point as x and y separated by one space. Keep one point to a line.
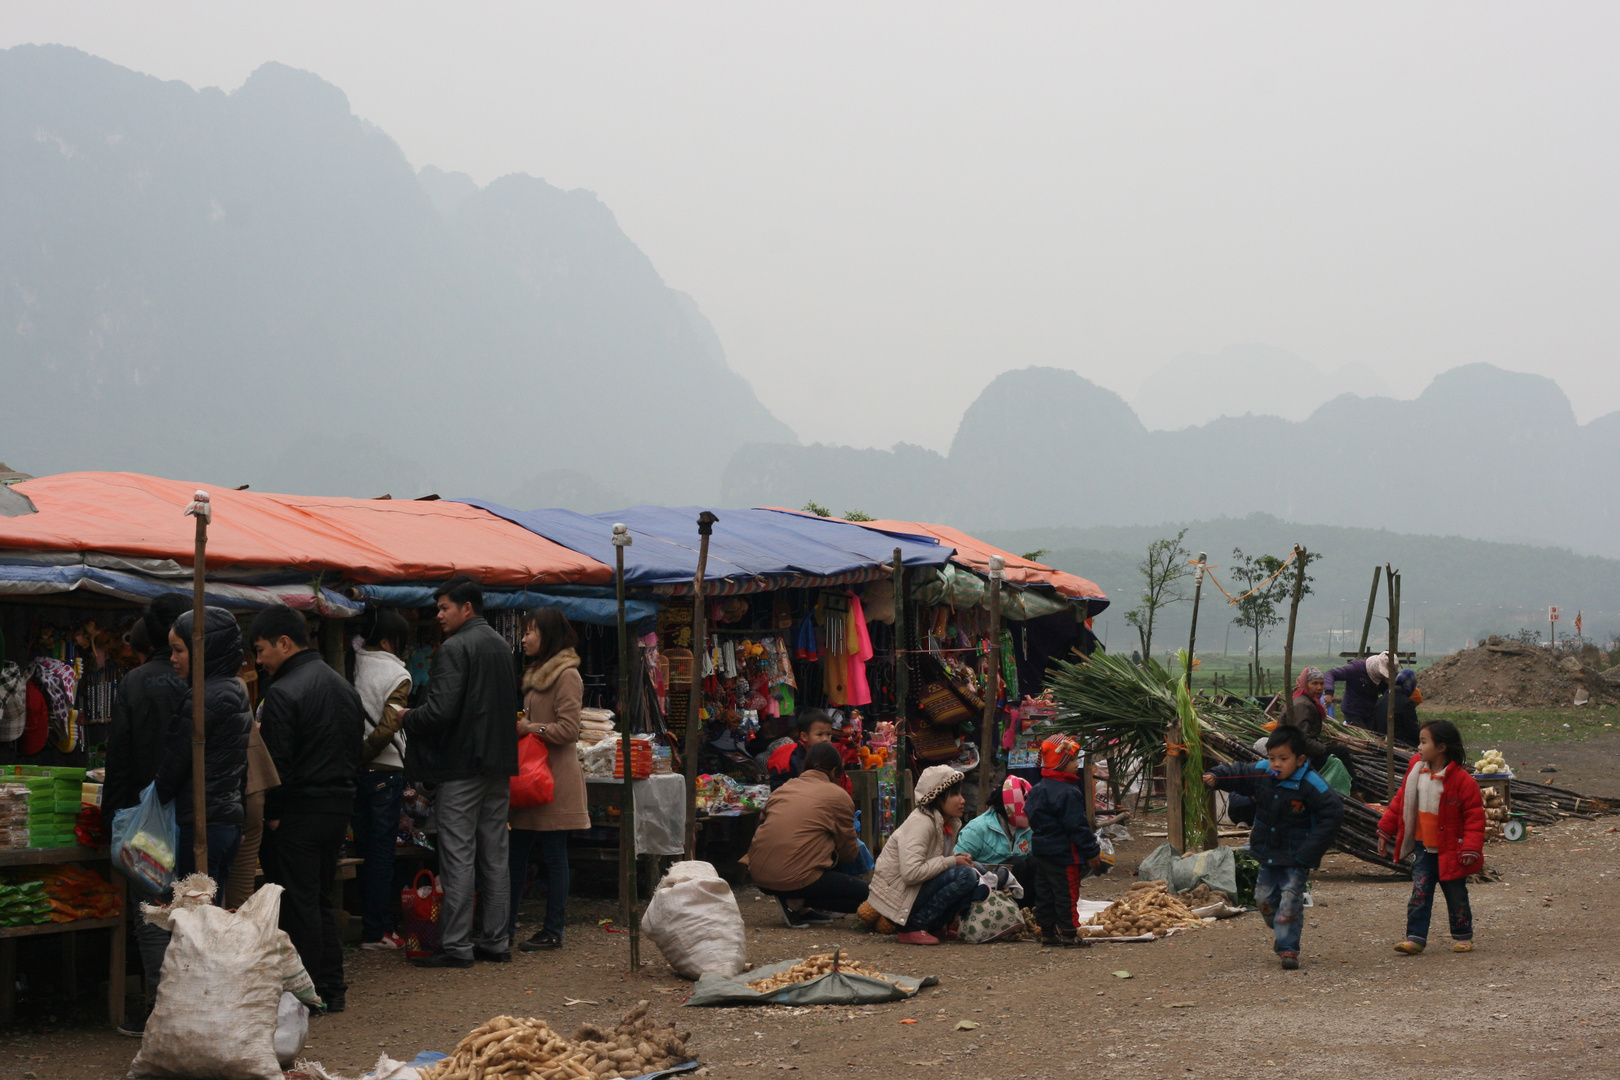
145 839
862 863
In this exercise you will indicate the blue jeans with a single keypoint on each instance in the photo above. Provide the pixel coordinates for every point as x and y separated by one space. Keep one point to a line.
552 847
942 898
378 798
1419 910
1281 893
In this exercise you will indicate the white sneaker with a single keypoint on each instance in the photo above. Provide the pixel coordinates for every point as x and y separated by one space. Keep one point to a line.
390 941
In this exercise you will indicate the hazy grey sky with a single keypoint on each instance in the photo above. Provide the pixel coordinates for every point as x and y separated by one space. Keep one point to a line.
883 206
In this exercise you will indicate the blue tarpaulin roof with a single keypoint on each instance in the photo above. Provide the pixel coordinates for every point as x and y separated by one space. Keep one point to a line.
756 546
597 606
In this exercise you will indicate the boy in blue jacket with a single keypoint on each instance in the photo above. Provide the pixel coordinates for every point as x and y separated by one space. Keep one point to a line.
1296 815
1056 809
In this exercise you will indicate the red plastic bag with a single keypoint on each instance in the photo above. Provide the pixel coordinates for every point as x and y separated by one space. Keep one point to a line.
533 784
419 909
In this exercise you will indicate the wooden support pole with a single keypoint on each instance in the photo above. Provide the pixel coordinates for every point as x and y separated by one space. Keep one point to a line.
629 909
1301 557
1394 669
992 683
1366 623
694 705
1172 766
202 510
1192 635
902 690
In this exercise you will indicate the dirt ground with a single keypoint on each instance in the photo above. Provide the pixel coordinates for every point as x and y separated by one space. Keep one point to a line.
1510 675
1538 998
1591 766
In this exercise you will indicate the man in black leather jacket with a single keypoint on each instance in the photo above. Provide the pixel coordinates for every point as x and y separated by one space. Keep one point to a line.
464 737
313 724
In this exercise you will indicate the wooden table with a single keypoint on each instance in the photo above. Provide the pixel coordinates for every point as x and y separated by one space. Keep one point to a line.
10 934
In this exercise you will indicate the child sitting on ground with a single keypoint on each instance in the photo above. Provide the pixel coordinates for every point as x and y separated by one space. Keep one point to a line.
1056 808
787 761
1439 813
1296 815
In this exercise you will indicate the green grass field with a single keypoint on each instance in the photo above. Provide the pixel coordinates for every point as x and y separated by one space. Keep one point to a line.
1482 727
1486 728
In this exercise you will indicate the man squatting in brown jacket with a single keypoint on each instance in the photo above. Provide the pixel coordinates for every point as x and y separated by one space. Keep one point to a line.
806 829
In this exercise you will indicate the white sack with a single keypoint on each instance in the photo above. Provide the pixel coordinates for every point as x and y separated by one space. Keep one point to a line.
216 1010
695 922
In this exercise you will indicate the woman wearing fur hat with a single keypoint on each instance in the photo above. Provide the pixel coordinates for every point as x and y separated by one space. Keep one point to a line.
918 885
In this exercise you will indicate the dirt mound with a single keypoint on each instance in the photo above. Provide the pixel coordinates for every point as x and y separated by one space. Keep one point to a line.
1506 674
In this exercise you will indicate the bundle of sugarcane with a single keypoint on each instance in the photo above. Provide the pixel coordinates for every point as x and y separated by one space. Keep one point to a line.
1115 707
1123 711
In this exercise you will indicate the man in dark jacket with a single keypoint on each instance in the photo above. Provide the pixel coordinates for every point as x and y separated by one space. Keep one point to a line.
145 704
313 724
1296 815
464 736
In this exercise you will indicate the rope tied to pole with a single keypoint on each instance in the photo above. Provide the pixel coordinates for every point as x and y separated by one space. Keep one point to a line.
1231 601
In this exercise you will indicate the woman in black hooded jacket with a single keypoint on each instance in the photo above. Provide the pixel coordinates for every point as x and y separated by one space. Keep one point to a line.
228 718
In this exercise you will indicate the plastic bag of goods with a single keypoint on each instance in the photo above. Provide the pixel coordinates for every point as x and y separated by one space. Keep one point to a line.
144 839
218 1004
292 1029
695 922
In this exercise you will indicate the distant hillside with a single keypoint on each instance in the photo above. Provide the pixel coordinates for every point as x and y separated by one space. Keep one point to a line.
1452 589
257 287
1242 380
1481 452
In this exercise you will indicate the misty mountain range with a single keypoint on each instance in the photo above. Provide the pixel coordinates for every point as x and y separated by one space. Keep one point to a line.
257 287
1196 389
1481 452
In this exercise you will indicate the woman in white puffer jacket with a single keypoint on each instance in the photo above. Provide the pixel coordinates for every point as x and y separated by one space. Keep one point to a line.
917 884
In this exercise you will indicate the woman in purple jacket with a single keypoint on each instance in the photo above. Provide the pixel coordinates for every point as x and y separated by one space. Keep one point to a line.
1363 681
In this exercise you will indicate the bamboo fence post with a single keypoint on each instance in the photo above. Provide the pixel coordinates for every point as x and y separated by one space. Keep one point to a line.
201 509
628 913
694 706
992 683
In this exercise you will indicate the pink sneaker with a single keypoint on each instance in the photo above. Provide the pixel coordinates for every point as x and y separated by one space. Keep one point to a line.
389 942
917 937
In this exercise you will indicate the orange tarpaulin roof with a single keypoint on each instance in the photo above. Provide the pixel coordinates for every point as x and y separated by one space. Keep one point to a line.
366 540
976 555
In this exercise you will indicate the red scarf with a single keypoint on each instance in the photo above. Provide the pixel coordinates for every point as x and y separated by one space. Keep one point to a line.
1056 774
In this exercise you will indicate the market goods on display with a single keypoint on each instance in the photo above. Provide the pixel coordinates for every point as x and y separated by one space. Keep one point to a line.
1492 762
1148 908
508 1046
1496 811
814 967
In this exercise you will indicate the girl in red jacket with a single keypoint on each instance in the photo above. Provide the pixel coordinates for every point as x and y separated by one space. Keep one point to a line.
1438 813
